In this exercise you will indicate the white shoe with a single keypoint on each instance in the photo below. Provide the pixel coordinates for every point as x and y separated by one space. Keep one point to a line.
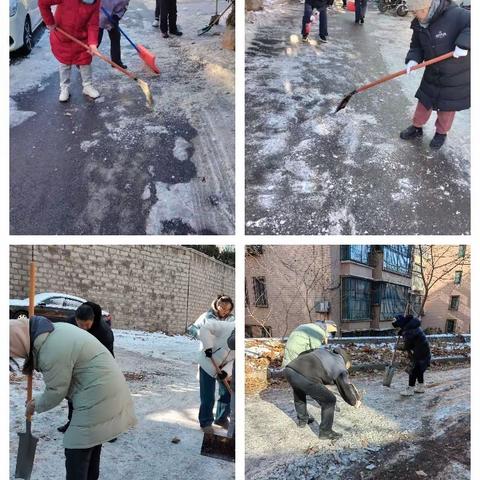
90 91
408 392
419 388
155 23
64 94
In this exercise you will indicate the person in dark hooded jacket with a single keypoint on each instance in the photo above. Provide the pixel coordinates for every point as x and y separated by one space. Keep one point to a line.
418 349
440 27
88 316
309 373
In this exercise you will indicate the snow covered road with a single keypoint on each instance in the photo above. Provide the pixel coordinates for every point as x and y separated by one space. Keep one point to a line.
113 166
389 436
161 374
309 171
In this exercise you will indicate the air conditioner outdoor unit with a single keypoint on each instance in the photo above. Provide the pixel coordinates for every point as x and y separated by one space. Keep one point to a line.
322 306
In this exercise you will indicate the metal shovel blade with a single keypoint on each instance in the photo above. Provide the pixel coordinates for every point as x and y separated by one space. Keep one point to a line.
26 453
387 379
218 446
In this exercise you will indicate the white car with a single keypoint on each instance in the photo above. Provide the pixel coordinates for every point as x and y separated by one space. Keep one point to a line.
24 19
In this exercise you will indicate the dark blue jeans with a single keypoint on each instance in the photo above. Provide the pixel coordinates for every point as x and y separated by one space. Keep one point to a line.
207 400
360 9
322 20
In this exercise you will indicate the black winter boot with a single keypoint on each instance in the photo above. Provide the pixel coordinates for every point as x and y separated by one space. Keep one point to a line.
437 141
64 428
302 424
411 132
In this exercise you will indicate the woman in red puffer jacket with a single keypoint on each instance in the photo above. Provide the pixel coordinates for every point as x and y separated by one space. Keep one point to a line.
80 19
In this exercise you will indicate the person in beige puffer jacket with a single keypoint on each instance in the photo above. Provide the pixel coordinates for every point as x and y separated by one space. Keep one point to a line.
75 365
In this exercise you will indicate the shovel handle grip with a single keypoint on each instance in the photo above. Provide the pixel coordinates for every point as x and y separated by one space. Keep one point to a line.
404 71
98 54
227 386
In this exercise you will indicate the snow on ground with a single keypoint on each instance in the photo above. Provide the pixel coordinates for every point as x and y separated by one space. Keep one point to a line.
389 436
117 148
344 173
161 374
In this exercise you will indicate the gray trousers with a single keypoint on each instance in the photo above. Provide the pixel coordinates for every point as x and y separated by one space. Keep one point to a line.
302 387
66 71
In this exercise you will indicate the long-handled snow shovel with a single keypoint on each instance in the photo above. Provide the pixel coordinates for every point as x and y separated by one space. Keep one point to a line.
214 20
347 98
27 442
141 83
390 369
219 446
146 55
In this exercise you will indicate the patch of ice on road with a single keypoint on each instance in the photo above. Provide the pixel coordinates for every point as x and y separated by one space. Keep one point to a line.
146 193
171 204
304 178
180 150
86 145
17 117
274 145
160 129
29 73
341 222
221 75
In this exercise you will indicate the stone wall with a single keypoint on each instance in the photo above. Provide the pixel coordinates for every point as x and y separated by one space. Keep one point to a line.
147 287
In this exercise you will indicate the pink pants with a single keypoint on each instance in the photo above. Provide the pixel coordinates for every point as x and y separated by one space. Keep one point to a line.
443 123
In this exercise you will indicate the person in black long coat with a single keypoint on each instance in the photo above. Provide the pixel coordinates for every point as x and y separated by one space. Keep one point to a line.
360 10
440 26
166 17
415 343
88 316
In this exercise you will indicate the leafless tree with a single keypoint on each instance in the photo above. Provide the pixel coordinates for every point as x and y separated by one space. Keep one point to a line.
434 263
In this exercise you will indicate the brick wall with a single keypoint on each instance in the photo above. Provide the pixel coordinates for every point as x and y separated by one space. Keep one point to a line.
148 287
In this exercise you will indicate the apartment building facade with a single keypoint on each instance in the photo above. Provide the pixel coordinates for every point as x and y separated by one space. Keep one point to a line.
358 287
447 308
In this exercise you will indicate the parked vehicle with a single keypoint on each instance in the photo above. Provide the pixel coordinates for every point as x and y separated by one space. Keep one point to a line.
57 307
25 18
466 4
400 6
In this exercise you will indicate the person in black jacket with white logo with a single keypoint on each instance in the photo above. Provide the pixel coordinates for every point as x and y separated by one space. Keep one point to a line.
415 343
439 27
309 373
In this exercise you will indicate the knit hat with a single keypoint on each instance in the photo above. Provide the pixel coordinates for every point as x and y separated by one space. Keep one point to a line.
414 5
19 338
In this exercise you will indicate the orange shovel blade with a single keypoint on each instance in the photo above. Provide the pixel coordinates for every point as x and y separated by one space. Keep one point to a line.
148 57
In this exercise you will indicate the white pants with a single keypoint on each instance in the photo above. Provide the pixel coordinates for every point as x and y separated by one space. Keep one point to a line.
65 73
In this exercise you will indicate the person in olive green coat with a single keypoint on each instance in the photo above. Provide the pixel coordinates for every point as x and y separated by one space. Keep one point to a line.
75 365
305 337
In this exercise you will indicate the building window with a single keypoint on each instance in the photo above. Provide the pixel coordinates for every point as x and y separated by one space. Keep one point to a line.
356 299
397 259
450 326
461 251
356 253
393 300
260 292
458 277
454 302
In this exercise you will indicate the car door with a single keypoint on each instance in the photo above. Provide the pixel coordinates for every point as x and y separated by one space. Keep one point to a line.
51 307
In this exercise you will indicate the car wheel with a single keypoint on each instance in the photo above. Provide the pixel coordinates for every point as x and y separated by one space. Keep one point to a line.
20 314
27 36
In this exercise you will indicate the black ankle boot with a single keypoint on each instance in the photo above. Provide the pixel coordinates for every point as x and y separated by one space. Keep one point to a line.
438 140
411 132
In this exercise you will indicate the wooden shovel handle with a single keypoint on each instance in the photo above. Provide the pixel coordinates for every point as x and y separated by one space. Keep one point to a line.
227 386
404 71
98 54
31 313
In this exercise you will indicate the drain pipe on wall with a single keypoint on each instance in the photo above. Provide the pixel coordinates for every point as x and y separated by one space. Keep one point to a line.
188 292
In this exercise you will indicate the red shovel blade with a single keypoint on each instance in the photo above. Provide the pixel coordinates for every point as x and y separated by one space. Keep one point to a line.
148 57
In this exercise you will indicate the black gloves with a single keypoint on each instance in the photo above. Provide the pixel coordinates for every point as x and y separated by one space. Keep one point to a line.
222 375
208 353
